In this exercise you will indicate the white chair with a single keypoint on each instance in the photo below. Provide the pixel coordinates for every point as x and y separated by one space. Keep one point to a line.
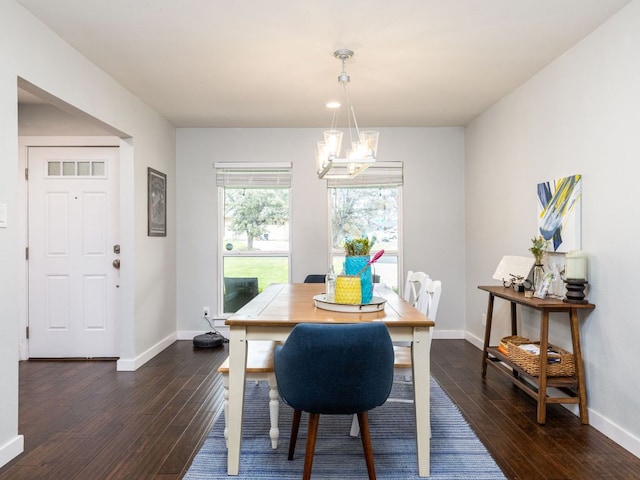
428 302
414 287
415 293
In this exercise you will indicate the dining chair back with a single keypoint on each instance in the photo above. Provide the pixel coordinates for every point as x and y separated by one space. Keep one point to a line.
428 302
315 278
334 369
429 298
414 286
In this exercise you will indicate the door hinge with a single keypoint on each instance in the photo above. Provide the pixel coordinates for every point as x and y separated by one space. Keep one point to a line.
27 332
26 253
26 174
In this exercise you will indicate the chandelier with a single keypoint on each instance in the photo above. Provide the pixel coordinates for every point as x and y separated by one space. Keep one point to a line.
363 144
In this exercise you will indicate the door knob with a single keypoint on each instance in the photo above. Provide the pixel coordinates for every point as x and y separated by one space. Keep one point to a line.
116 263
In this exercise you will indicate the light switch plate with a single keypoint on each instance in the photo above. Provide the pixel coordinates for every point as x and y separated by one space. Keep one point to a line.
3 215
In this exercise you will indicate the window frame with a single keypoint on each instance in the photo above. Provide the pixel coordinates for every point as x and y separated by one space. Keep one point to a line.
368 180
222 252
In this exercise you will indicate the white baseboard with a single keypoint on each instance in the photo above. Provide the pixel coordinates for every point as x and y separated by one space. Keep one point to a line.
448 334
11 449
188 334
615 433
132 364
473 340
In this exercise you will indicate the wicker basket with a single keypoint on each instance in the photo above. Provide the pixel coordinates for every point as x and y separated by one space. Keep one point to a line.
560 362
515 339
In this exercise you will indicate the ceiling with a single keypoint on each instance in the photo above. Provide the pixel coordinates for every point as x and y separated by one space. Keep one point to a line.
258 63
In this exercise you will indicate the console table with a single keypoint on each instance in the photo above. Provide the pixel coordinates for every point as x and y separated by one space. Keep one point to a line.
536 387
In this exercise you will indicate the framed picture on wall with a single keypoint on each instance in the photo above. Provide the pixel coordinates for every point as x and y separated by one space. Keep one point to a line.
157 203
559 212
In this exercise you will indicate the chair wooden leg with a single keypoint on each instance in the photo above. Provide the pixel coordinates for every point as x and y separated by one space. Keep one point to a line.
363 420
314 419
294 432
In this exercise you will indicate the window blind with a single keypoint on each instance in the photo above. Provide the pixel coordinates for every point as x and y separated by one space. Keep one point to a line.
253 175
380 174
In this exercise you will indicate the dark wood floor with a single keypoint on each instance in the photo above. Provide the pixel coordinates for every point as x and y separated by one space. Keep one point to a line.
85 421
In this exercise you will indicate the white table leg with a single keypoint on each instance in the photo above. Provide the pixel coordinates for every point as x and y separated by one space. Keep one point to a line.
237 372
421 378
225 386
274 406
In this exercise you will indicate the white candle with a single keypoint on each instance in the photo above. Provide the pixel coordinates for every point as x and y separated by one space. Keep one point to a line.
576 266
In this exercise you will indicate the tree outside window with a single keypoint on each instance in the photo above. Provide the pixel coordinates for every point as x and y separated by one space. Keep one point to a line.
365 211
371 212
256 213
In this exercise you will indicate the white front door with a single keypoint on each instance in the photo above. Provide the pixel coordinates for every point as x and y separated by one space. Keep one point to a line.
73 229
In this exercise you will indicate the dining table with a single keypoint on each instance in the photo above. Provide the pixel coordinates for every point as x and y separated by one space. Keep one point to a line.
273 314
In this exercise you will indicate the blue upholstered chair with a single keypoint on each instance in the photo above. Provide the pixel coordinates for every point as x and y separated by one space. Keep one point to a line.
334 369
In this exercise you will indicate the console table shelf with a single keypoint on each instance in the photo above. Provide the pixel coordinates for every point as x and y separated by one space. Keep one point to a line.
518 376
536 386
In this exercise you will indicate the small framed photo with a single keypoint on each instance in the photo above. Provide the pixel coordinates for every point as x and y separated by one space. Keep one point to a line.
157 203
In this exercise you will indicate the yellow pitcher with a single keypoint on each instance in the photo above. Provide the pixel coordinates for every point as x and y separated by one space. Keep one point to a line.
348 290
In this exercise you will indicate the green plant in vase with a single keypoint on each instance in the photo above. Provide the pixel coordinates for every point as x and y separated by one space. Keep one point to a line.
358 246
538 249
357 255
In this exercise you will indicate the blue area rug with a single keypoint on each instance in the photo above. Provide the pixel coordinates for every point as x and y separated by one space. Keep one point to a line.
456 452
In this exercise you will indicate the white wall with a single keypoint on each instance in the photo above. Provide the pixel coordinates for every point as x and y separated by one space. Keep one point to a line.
433 208
580 115
46 119
31 51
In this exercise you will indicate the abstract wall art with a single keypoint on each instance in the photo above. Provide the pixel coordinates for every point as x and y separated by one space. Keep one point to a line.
156 203
559 212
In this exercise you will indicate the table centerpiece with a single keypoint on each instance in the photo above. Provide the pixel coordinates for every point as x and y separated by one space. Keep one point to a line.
357 257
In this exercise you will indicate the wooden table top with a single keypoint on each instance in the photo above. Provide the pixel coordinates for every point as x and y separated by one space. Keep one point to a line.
291 303
534 302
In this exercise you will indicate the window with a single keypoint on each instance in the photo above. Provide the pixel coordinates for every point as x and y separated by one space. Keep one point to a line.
76 168
369 205
253 229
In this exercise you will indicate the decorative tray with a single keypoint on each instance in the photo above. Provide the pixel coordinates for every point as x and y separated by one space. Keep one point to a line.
375 305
